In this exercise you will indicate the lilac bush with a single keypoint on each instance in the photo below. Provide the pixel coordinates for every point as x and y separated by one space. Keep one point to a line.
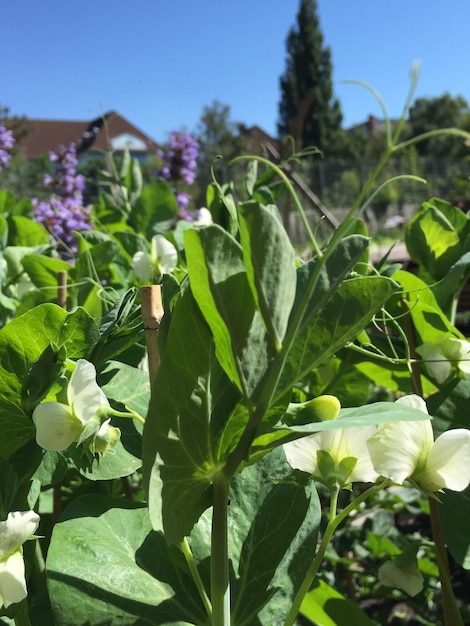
179 164
64 213
6 143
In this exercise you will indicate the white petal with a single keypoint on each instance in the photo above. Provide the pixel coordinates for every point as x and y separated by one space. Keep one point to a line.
12 580
15 530
435 361
302 453
415 402
355 445
83 393
56 427
409 579
165 252
399 448
204 217
143 265
448 462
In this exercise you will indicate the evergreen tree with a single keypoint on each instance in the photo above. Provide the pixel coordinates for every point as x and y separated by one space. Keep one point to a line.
307 109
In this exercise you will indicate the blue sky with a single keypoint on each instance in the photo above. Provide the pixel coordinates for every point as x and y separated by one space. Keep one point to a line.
159 63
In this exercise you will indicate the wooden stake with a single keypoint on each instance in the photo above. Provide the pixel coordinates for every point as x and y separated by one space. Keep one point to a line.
152 313
62 288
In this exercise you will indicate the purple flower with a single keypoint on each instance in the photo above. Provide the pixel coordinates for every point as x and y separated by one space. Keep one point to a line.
179 163
64 212
6 143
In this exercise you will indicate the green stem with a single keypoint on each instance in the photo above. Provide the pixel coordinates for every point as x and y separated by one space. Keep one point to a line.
188 555
449 604
130 414
334 522
22 617
220 589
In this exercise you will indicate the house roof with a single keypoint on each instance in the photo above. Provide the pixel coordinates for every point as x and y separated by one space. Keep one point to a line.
111 130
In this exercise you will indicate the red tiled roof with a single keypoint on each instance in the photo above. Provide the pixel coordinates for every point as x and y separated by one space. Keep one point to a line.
48 135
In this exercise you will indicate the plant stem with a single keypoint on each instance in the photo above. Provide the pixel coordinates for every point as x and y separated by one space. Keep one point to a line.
220 589
188 555
452 615
334 522
22 617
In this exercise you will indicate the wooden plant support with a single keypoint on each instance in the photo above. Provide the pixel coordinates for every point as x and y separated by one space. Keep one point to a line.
152 313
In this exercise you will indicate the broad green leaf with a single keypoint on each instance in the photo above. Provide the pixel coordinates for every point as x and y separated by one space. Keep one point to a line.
434 237
450 404
221 289
448 289
79 333
316 284
25 232
270 265
105 565
191 400
324 606
22 342
7 201
44 270
277 519
155 209
126 385
454 515
348 311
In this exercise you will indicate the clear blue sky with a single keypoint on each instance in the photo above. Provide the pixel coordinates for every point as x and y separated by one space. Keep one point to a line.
159 63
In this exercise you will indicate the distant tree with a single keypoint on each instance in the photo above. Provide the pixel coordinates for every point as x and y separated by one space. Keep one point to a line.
445 111
218 135
307 109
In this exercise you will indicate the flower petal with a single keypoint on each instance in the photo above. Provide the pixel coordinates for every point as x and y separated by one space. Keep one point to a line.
83 393
143 265
354 443
448 462
12 579
302 453
165 252
399 448
15 530
435 361
56 427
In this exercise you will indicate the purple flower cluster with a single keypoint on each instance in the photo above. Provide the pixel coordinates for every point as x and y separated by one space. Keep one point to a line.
179 163
6 143
64 212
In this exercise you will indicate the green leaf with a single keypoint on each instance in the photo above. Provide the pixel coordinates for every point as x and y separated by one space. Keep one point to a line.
79 333
7 201
191 401
155 209
105 565
434 236
22 342
348 311
221 289
316 284
44 270
454 514
40 377
324 606
24 232
270 265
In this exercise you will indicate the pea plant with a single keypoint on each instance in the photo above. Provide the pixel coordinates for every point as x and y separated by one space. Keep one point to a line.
183 451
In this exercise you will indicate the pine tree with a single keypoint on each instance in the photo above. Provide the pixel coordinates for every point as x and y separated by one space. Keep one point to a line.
307 109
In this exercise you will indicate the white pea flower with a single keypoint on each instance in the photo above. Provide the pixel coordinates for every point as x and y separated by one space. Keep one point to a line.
445 356
337 456
14 531
59 425
204 217
162 259
407 450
